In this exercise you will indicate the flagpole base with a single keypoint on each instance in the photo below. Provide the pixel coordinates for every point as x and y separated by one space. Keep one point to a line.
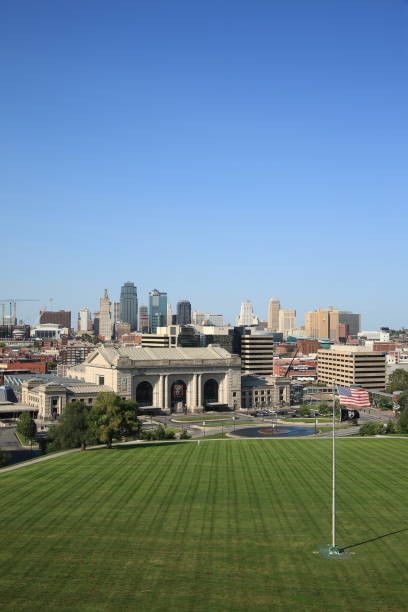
333 552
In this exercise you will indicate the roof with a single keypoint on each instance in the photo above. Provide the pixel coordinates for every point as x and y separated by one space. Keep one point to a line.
113 354
88 388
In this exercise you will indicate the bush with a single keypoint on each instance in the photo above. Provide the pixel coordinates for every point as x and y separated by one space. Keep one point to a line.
185 435
159 433
393 428
372 429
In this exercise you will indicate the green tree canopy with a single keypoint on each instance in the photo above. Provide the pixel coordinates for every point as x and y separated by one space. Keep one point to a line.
26 426
74 428
398 381
113 417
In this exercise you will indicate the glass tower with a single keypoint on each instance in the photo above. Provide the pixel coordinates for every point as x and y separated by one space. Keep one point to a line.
157 310
128 304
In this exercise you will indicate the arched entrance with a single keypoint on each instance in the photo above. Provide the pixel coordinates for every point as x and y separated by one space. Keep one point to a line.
178 394
210 392
144 394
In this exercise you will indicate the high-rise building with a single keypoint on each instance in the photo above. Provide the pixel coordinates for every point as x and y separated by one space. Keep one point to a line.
144 319
198 317
246 314
323 323
116 311
257 350
351 319
183 312
351 365
105 317
157 310
84 320
215 319
169 315
287 320
273 314
60 317
128 304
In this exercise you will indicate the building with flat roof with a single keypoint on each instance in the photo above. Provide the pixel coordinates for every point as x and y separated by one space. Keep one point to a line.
257 351
351 365
60 317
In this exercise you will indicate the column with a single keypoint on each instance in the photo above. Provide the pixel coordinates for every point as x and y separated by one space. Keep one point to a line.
199 401
161 379
166 391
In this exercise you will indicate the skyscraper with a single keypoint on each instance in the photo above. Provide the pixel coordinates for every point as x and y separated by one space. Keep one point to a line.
183 312
287 320
273 314
351 319
323 323
84 319
157 310
105 316
144 319
246 315
169 315
128 304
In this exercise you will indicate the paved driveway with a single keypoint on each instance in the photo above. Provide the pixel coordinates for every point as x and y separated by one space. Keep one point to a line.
9 443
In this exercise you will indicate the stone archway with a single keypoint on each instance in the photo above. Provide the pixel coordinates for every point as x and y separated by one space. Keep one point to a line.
144 394
211 391
178 395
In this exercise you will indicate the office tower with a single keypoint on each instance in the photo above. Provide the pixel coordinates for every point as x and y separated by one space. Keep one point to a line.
246 315
105 317
116 311
84 320
169 315
351 319
351 365
257 349
323 323
96 324
60 317
183 312
198 317
273 314
287 320
157 310
215 319
143 319
128 304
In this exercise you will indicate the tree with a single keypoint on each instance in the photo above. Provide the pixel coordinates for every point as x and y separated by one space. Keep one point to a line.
26 426
398 381
51 365
372 429
74 428
4 457
113 417
185 435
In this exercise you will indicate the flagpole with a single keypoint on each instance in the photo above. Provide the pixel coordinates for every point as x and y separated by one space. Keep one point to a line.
334 473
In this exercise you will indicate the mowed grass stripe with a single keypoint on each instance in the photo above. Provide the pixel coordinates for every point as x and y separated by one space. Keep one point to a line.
220 526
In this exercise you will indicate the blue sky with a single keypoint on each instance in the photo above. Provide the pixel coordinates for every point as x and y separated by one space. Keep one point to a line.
219 150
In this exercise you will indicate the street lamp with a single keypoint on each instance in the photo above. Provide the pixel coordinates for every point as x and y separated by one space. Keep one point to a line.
233 420
204 428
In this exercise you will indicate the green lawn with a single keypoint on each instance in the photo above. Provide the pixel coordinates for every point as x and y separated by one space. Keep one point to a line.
224 525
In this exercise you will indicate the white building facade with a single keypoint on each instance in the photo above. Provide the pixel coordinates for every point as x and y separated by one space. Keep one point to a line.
170 379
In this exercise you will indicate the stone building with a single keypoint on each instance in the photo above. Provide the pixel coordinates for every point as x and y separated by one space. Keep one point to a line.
171 379
49 399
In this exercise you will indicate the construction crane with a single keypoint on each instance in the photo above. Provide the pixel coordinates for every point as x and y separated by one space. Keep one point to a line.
290 365
12 309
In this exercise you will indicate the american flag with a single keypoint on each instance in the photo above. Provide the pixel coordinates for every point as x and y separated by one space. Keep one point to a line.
353 397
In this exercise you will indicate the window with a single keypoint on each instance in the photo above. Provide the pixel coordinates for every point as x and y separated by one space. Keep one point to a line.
90 400
101 380
234 394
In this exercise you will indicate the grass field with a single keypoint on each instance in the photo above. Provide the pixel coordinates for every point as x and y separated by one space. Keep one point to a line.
224 525
193 419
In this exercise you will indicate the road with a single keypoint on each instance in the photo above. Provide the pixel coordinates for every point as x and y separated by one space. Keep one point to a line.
10 444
